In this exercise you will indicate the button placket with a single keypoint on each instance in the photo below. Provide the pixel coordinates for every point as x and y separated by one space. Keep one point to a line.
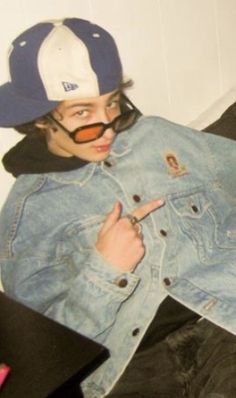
168 280
136 198
108 163
163 232
135 332
194 208
121 282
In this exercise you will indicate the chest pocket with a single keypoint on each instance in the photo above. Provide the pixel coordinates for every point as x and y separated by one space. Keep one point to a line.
83 234
210 227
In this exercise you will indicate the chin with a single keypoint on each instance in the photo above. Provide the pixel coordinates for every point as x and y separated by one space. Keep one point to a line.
95 158
101 156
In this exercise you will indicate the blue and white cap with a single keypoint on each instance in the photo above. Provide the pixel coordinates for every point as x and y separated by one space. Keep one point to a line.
55 61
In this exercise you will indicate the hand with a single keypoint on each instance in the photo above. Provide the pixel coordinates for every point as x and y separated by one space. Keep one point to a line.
120 242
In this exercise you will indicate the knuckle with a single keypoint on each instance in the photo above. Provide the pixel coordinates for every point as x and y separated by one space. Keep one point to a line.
121 225
124 221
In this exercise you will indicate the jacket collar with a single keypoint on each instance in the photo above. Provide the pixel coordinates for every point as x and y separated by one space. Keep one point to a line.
121 147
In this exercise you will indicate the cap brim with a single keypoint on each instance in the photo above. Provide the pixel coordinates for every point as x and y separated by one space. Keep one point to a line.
16 110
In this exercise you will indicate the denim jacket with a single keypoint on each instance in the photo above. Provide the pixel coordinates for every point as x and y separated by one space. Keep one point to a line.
50 221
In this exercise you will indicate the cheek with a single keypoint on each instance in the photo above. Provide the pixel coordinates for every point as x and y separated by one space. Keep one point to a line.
66 143
114 113
81 150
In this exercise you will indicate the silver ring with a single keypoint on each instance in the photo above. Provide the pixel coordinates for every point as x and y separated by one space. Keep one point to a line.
133 220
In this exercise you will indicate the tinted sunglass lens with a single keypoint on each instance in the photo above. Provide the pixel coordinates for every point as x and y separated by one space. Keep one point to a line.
88 133
93 132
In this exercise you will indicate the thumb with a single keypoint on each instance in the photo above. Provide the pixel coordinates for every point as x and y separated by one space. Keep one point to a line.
112 218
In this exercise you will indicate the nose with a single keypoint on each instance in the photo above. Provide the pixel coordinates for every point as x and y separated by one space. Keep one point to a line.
109 134
104 117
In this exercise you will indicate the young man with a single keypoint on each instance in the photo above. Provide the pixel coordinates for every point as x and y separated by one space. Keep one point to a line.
98 234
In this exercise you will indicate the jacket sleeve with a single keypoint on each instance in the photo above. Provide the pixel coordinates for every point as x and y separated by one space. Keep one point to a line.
83 293
222 159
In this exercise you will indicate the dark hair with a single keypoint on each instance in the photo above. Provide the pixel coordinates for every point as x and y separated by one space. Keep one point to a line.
170 156
30 127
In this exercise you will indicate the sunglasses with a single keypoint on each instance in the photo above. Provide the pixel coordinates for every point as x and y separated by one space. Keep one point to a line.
92 132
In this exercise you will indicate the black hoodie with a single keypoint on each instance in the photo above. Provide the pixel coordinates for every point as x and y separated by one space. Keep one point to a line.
31 156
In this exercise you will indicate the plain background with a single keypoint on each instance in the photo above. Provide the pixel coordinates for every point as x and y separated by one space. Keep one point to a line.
180 53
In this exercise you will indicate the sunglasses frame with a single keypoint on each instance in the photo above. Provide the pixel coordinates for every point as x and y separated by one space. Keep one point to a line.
104 126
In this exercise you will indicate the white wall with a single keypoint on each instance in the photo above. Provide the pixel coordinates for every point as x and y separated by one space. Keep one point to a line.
180 53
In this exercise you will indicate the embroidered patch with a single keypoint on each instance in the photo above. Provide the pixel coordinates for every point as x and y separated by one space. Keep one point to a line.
174 167
69 86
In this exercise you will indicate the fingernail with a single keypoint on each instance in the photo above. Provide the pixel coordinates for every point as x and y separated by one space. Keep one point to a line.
4 370
119 205
161 201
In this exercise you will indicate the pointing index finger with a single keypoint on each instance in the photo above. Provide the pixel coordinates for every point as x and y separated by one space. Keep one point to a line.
142 211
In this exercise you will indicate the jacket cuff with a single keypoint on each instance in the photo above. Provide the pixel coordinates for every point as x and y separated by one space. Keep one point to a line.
109 278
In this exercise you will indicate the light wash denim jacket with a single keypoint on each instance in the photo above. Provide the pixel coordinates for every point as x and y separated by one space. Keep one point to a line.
50 222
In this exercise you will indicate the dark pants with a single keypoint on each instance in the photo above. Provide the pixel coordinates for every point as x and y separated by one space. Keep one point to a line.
196 361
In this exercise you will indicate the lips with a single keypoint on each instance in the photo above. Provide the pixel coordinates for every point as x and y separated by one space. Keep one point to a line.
102 148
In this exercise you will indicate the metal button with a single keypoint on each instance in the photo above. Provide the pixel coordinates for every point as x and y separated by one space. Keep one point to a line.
167 281
135 332
136 198
163 232
107 163
122 282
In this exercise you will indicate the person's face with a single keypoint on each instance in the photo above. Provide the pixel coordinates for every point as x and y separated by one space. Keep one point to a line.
76 113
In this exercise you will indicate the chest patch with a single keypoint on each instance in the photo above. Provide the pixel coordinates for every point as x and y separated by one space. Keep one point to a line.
175 168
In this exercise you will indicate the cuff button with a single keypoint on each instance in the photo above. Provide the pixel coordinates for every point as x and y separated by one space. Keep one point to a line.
121 282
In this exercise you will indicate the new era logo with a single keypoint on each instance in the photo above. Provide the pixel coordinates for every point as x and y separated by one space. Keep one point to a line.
69 86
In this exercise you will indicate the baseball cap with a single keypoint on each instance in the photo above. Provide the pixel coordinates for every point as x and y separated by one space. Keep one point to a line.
55 61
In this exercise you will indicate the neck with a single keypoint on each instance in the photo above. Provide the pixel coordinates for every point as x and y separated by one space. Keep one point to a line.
57 150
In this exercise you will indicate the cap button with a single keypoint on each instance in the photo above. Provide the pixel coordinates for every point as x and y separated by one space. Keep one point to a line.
57 22
23 43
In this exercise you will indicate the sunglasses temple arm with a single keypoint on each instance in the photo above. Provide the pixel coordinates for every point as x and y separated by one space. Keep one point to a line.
127 100
52 119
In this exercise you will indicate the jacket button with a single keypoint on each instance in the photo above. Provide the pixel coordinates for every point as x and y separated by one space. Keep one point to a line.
135 332
122 282
167 281
107 163
163 232
136 198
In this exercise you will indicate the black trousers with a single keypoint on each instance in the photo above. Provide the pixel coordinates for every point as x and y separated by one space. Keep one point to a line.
196 361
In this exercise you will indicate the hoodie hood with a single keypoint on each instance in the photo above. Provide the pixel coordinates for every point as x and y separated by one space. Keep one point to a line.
31 156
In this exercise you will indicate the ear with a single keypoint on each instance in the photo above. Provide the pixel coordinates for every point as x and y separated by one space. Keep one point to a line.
42 123
45 124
